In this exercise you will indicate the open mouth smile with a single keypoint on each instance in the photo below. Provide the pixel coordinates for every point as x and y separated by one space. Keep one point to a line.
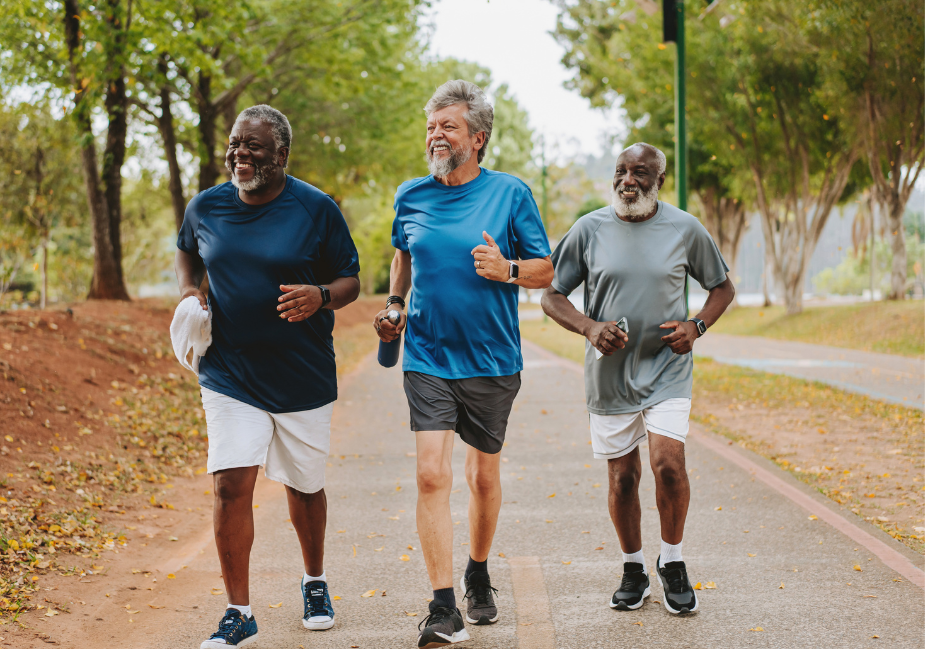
439 148
629 192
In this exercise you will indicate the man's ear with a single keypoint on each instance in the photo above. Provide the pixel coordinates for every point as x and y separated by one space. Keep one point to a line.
661 180
283 154
479 141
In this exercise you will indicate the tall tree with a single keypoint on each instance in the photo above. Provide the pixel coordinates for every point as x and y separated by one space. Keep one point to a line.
873 52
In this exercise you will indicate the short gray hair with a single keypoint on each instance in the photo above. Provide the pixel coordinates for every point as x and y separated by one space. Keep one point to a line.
282 132
479 114
660 159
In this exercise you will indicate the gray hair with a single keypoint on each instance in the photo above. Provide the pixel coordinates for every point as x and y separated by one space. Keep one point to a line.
479 113
282 132
660 159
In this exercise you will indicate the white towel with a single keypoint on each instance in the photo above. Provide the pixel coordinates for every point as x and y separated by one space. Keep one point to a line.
191 329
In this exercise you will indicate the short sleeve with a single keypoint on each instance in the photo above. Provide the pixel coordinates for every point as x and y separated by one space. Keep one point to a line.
568 259
530 241
338 251
704 261
187 240
399 240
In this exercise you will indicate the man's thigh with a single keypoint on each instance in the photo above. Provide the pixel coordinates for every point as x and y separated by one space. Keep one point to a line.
485 404
299 450
239 434
431 402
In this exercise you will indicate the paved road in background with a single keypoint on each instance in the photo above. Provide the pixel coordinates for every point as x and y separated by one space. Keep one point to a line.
888 377
782 579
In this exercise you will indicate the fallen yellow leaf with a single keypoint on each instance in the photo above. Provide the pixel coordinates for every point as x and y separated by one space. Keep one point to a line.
813 518
637 623
717 509
369 593
501 554
171 576
781 585
336 597
551 496
751 555
276 605
710 584
757 628
217 591
411 547
405 557
54 613
154 606
565 563
858 568
698 586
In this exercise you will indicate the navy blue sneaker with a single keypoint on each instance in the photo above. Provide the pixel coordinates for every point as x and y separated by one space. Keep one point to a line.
319 614
233 631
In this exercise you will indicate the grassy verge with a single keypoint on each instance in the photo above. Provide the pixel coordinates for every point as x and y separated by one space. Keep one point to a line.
886 327
864 454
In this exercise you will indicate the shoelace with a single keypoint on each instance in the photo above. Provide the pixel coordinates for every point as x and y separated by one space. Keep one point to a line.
227 631
316 605
629 582
481 594
436 615
675 579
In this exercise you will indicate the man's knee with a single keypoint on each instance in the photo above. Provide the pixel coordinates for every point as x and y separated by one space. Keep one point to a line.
669 473
482 481
624 480
230 487
434 477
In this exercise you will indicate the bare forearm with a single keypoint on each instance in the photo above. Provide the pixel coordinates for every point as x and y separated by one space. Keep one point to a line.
400 274
535 273
344 290
558 307
190 271
719 298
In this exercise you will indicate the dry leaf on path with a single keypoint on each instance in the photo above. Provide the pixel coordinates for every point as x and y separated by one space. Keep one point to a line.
336 597
405 557
171 576
752 555
757 628
858 568
698 586
501 554
369 593
710 584
637 623
155 606
565 563
276 605
217 591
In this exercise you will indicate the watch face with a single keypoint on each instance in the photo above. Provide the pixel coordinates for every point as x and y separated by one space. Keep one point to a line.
515 270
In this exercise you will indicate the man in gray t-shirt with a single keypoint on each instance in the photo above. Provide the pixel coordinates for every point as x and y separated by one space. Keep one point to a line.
633 257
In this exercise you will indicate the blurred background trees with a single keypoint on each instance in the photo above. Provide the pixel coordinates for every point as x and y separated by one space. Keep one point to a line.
116 112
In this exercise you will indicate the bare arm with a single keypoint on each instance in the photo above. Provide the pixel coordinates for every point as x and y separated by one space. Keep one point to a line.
301 301
190 273
681 341
491 264
606 337
399 284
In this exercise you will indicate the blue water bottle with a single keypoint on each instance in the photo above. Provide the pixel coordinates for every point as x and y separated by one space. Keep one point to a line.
388 352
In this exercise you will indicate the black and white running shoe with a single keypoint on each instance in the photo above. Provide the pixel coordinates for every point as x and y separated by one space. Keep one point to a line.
633 590
480 608
444 626
679 596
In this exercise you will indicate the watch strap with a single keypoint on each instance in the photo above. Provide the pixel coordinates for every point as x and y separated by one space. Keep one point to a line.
325 296
513 272
701 326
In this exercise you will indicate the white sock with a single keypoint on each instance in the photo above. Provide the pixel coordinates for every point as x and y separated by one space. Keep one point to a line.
307 578
635 557
245 610
670 553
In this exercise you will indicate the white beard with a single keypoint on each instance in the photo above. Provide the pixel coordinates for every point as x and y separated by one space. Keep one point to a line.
443 167
644 204
259 181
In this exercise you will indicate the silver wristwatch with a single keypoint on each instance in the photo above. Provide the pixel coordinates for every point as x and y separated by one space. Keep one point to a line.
514 272
701 326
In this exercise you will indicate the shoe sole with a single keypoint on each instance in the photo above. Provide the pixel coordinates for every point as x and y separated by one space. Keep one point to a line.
684 610
460 636
482 620
317 626
622 606
208 644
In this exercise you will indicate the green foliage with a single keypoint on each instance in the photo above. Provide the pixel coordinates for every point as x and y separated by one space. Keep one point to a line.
852 275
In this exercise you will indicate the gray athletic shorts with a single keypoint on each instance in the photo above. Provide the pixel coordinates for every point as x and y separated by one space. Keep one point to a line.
476 408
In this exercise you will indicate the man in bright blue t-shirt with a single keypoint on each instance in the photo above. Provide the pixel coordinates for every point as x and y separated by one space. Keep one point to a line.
462 357
280 259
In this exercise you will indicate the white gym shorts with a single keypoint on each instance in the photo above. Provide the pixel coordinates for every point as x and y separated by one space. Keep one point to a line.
614 436
292 447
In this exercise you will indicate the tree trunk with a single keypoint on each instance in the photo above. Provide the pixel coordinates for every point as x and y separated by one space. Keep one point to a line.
725 220
767 276
45 237
169 136
793 293
898 275
208 170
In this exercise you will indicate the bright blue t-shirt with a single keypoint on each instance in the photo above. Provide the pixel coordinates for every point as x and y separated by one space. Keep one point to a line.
461 325
300 237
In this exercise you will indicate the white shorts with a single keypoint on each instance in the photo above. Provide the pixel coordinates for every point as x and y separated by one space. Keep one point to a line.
292 447
614 436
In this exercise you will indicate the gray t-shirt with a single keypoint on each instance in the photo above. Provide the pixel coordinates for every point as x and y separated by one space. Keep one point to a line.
636 270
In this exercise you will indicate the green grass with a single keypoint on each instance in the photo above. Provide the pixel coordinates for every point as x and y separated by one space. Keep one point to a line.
886 327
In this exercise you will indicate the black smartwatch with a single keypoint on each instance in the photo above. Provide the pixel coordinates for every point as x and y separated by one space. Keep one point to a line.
325 296
701 327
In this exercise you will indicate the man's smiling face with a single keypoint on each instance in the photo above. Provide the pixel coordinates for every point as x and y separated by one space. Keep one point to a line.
252 156
636 183
449 144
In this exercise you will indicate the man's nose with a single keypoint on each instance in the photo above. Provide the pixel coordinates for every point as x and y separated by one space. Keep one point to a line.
629 180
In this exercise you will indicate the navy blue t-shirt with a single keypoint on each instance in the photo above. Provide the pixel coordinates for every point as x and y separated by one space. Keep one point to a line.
461 325
300 237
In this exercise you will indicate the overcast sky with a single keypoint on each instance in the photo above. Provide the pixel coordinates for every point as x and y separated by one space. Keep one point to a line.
511 38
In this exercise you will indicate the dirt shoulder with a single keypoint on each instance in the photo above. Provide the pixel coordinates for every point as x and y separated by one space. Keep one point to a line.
102 461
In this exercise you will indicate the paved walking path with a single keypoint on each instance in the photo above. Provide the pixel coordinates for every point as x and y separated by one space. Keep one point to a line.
897 379
782 579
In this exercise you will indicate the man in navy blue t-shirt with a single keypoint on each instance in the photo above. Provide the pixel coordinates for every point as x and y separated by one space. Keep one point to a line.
280 260
466 239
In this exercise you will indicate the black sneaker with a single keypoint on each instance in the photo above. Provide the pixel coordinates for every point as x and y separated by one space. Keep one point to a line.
679 596
234 630
633 590
481 607
442 627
